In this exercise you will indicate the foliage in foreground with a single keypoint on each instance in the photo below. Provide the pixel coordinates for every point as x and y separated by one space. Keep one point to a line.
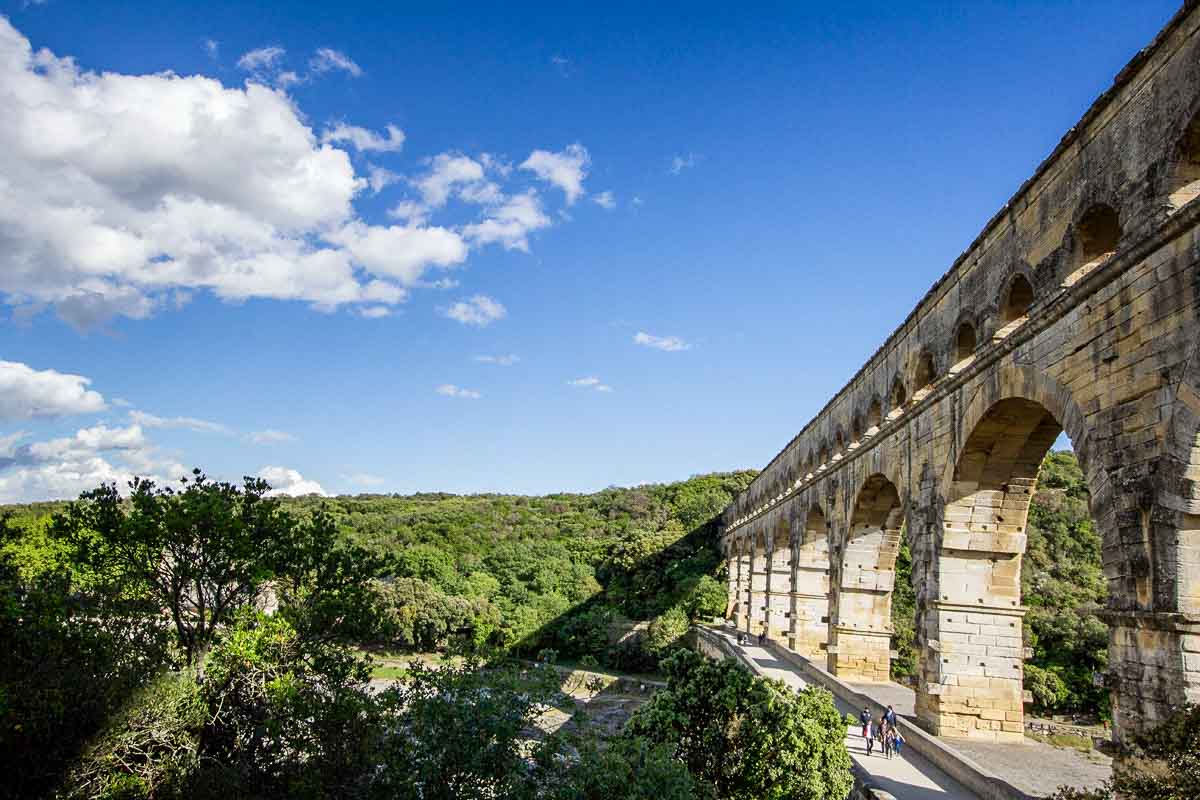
748 737
200 639
1162 765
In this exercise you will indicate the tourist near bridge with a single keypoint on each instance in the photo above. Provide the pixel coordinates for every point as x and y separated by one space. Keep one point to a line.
1077 309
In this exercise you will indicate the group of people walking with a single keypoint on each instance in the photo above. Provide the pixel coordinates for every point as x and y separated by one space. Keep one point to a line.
882 730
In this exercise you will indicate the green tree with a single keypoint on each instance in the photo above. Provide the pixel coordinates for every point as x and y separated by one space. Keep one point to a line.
202 553
460 731
625 768
750 738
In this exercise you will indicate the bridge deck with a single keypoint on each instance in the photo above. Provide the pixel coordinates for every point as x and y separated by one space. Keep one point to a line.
907 777
1032 767
1035 768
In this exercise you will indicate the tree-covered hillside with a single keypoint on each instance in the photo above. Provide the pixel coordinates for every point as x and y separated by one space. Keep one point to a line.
563 572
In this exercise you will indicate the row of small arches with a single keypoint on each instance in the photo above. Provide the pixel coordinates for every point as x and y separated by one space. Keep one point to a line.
1096 237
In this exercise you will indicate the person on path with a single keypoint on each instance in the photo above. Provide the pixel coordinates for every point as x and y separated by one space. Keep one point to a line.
890 716
870 734
899 742
865 719
889 741
762 637
880 729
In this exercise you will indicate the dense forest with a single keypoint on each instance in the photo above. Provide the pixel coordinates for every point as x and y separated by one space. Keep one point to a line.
207 641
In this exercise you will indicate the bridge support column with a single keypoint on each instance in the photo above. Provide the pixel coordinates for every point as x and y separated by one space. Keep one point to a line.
1154 667
971 672
731 587
779 601
743 595
758 601
860 654
810 624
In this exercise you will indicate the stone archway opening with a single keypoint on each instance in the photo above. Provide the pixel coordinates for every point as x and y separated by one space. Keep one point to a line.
1017 301
810 586
862 630
874 417
1183 186
924 376
964 343
898 398
1097 236
973 677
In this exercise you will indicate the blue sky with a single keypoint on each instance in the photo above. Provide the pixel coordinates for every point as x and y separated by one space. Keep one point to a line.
285 240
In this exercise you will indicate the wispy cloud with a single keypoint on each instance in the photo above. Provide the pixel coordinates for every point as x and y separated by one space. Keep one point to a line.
479 310
262 58
563 65
147 420
326 59
680 163
671 344
590 382
500 361
364 140
212 47
270 436
606 200
450 390
362 479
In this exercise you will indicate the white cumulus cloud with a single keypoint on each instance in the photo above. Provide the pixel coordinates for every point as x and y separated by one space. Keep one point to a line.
120 194
450 390
64 467
479 310
509 223
26 393
668 343
565 169
606 200
285 481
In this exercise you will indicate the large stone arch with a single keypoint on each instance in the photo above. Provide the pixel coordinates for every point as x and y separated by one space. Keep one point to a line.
860 639
971 680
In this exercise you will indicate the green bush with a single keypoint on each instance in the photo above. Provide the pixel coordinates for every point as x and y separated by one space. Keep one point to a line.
748 737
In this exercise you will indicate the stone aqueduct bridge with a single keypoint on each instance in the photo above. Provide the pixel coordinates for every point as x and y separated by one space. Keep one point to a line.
1077 309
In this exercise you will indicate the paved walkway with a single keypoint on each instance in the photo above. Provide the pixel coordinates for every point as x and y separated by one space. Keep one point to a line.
908 777
1033 767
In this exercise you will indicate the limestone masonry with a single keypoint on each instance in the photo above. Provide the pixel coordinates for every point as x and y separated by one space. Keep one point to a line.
1076 309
